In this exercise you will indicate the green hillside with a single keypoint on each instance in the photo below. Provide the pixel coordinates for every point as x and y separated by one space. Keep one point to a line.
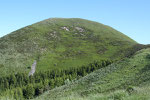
76 59
60 43
124 80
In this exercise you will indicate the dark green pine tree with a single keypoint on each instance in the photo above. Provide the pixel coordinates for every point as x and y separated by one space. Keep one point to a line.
29 92
6 84
38 89
12 81
52 83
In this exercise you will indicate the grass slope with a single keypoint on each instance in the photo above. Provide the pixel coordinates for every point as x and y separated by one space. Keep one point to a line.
104 83
60 43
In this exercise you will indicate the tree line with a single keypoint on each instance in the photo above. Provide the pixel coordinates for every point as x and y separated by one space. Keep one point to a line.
21 85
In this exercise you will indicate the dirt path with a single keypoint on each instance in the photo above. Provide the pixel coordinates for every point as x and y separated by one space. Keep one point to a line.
33 68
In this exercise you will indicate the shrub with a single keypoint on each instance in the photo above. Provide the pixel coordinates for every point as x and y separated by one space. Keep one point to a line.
130 90
1 65
148 56
67 82
118 95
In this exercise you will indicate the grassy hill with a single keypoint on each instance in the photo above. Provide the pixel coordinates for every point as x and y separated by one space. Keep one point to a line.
60 43
76 59
124 80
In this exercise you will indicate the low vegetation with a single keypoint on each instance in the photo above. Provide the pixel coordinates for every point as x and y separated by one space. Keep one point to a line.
76 59
130 75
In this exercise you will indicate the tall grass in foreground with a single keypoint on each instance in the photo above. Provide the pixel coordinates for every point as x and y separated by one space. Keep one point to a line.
142 93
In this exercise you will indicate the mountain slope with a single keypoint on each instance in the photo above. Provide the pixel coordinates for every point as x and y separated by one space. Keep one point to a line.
60 43
132 71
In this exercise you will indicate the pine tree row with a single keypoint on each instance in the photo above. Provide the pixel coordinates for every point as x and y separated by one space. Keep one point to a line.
21 86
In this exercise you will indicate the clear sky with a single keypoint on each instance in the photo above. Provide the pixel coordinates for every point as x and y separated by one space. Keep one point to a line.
131 17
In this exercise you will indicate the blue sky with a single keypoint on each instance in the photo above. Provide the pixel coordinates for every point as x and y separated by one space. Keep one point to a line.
131 17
